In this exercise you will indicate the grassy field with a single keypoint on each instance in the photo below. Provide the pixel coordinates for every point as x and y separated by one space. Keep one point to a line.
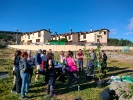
89 89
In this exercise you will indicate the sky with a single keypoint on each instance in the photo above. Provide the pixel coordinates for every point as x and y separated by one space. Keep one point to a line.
63 15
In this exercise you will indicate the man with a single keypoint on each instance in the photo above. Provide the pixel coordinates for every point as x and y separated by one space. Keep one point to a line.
80 60
104 62
93 54
38 62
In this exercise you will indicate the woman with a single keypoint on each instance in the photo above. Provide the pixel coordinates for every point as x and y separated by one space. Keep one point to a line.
16 72
30 61
44 59
72 69
24 68
50 75
62 57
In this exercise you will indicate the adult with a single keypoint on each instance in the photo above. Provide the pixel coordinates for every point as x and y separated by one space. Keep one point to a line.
38 62
72 69
50 51
62 57
24 68
44 59
16 72
30 61
93 55
50 75
104 62
80 60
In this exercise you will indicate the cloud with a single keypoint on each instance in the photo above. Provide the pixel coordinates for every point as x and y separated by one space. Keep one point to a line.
130 25
128 33
113 31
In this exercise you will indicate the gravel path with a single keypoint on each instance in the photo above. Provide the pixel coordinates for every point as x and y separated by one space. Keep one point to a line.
117 56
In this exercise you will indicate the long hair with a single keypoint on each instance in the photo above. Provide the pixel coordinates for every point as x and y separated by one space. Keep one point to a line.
70 54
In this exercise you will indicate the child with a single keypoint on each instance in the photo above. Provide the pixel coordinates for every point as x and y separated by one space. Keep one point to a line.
72 69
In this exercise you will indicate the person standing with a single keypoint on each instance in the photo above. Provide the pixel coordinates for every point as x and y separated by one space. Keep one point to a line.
104 62
50 75
44 59
50 51
38 62
80 60
72 70
30 61
62 57
18 81
24 68
93 55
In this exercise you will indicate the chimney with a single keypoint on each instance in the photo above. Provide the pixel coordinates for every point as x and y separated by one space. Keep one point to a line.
91 29
70 30
55 33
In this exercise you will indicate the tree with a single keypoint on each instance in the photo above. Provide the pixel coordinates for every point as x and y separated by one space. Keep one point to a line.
63 40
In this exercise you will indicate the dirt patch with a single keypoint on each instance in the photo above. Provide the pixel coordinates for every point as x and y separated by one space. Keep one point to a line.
120 57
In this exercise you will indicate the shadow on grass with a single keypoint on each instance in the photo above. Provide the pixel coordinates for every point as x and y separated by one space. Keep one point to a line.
113 71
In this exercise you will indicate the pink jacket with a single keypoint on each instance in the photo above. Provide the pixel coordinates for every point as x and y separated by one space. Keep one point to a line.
71 66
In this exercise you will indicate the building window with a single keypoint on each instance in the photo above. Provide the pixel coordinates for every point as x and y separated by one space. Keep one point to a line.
104 33
69 36
84 36
28 36
37 40
98 41
39 34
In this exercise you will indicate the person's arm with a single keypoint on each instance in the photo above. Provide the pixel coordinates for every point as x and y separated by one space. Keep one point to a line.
82 55
50 64
74 62
78 56
13 58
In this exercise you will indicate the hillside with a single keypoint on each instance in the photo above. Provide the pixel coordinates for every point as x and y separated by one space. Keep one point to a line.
8 37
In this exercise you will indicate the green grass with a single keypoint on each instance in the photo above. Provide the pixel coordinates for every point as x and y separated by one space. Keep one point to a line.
89 89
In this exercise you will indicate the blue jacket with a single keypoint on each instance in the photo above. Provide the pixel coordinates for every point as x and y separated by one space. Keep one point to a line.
38 59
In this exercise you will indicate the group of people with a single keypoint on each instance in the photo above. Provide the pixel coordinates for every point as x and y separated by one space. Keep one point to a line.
43 60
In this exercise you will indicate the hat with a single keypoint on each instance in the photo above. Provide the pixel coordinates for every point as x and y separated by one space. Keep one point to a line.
39 50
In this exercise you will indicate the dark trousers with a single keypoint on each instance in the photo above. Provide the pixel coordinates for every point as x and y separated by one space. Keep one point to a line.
103 67
80 64
73 76
18 81
50 81
30 74
49 89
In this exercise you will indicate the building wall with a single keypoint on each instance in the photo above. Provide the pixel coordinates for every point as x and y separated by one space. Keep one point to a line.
75 37
47 36
44 36
63 47
104 38
89 38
